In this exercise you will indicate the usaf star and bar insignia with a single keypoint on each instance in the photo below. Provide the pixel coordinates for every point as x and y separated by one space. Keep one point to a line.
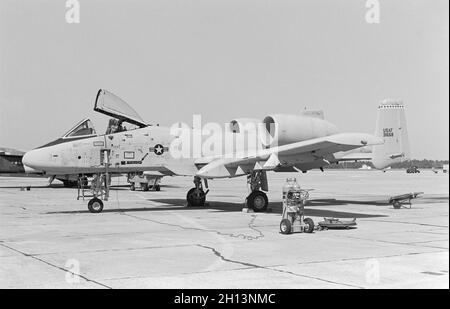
159 149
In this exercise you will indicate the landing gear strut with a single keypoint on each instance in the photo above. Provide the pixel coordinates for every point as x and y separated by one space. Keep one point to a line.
257 200
99 188
196 196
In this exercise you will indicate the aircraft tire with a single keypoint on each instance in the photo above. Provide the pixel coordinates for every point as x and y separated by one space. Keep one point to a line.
144 186
95 205
195 197
258 201
285 226
310 223
157 188
132 187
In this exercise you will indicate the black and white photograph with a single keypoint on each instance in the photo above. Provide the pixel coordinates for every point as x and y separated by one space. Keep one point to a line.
224 151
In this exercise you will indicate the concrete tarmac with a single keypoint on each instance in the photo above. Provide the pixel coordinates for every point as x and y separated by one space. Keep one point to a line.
48 239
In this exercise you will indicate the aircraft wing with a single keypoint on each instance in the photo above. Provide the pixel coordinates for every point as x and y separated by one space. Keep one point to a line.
321 149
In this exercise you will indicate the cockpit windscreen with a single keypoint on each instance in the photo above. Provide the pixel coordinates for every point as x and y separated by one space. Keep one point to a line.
83 128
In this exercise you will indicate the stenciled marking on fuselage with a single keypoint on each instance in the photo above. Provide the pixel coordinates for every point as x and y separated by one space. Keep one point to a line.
130 162
128 155
388 132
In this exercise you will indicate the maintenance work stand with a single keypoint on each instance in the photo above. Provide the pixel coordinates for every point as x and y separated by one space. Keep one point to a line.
293 216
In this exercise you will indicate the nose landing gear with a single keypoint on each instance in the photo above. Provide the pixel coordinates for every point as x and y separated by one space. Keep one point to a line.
98 190
95 205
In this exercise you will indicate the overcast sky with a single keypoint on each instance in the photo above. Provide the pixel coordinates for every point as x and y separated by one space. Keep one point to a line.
224 59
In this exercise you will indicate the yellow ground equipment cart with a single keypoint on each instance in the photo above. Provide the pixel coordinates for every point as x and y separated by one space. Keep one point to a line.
293 218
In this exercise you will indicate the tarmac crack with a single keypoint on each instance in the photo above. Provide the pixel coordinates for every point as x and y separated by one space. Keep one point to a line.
413 223
55 266
416 244
251 265
243 236
367 258
114 250
233 235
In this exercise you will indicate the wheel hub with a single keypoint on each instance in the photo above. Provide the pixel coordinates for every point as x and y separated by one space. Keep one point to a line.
96 205
197 194
196 197
259 202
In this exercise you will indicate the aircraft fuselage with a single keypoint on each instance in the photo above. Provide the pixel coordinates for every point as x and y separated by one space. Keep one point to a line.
152 148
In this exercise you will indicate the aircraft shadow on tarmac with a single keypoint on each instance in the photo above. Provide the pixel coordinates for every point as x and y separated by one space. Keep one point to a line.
127 187
335 202
275 207
31 187
124 187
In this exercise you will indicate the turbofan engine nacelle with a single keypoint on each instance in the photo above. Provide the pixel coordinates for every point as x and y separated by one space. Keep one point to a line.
241 125
285 129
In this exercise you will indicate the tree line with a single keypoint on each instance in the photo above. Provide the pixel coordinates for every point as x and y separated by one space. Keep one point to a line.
403 165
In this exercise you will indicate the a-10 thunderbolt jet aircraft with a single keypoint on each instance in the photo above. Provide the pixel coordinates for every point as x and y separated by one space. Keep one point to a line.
247 147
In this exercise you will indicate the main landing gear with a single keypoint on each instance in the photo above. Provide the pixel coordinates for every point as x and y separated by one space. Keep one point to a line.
257 200
197 196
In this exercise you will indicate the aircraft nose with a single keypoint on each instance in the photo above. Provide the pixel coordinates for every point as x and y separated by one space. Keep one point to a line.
35 158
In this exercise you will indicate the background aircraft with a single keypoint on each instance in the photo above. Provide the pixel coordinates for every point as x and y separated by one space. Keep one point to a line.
11 161
289 143
11 164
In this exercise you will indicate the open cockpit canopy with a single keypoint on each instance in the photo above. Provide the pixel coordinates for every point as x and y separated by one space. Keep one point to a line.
109 104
